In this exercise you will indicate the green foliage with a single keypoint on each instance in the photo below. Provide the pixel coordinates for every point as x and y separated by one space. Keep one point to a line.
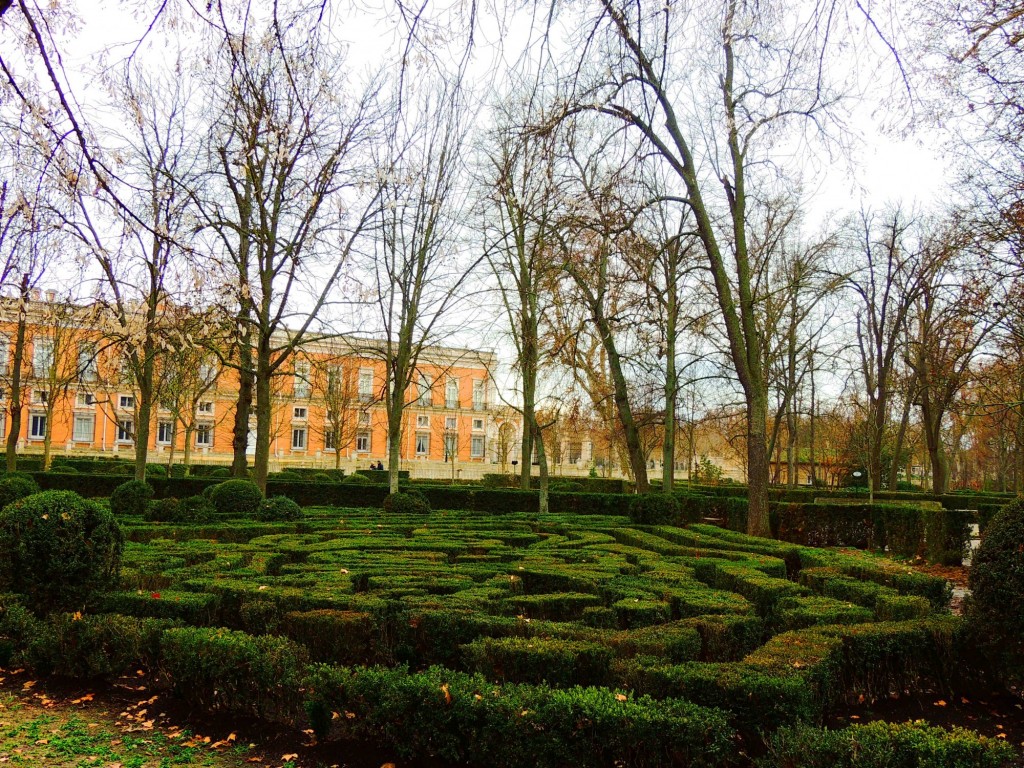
995 610
236 498
884 745
131 498
16 485
59 550
194 510
357 479
219 472
406 503
341 637
538 660
278 508
462 718
234 671
654 509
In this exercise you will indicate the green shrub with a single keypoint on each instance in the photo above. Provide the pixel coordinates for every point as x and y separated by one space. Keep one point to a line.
236 498
406 503
191 607
463 719
558 663
131 498
356 479
59 550
322 477
16 485
219 472
278 508
655 509
65 469
995 609
260 617
884 745
194 510
156 470
339 637
85 647
234 671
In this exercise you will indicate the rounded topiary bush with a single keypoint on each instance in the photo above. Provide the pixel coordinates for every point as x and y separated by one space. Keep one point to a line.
131 498
279 508
59 550
654 509
995 609
16 485
323 477
236 498
356 479
192 510
156 470
219 472
406 503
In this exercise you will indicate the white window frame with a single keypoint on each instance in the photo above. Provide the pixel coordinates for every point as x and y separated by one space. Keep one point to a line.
479 395
477 447
425 438
87 364
478 425
205 407
5 352
301 386
40 396
126 434
365 385
363 442
204 430
364 418
451 399
300 413
299 439
167 440
78 436
37 426
42 360
451 423
126 402
85 400
422 421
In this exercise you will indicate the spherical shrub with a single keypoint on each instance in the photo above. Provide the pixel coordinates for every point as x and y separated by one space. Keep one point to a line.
156 470
279 508
16 485
356 479
286 476
163 510
406 503
995 610
654 509
323 477
59 550
190 511
197 509
236 498
131 498
219 472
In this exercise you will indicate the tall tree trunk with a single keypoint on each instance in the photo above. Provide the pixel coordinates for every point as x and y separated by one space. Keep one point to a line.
757 464
243 409
395 414
811 443
542 460
16 407
668 444
791 446
901 436
145 416
264 413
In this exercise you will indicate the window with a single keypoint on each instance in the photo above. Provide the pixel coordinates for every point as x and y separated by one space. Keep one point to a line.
5 346
476 447
126 402
87 361
85 399
364 418
363 442
42 356
424 391
575 451
451 447
125 430
451 394
40 396
478 395
204 435
302 386
422 421
165 432
478 425
451 423
207 373
85 428
299 412
365 386
205 407
299 439
422 443
335 381
37 426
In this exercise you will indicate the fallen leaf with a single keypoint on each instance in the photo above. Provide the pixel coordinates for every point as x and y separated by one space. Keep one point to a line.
940 703
447 694
292 756
621 697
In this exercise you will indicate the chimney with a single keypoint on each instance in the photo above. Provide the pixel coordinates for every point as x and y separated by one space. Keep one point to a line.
51 295
36 294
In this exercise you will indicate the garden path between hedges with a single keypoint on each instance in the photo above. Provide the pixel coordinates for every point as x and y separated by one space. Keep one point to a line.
136 723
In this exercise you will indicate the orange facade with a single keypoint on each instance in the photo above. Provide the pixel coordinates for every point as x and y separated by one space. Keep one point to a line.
329 401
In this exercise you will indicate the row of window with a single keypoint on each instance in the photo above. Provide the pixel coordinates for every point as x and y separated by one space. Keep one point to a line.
84 431
424 392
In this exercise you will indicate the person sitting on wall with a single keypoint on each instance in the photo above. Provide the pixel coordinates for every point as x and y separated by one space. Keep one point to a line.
380 465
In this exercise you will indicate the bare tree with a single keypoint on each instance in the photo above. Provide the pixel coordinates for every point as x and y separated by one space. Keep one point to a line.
288 195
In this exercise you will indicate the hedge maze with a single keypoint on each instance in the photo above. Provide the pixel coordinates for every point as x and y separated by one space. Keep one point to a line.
513 639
